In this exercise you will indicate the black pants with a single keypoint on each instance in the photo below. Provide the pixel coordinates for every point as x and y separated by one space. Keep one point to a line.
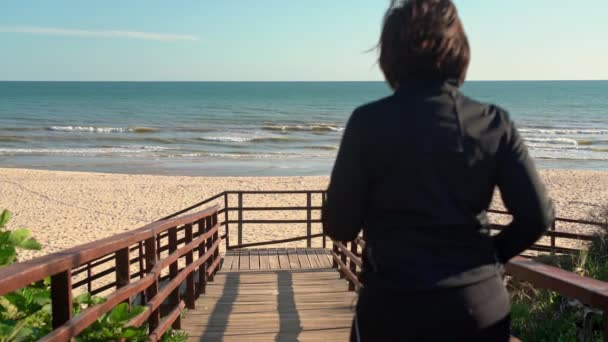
479 312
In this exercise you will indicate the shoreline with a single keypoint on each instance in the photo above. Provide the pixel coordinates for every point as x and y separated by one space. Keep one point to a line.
68 208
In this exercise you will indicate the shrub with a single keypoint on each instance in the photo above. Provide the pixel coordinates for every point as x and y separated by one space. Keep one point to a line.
543 315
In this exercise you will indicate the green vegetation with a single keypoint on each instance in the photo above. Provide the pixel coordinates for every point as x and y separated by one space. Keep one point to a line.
543 315
25 315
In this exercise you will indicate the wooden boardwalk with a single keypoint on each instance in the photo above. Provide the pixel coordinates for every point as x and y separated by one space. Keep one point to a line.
276 259
281 300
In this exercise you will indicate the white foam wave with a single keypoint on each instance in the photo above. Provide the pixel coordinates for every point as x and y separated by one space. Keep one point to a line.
83 151
552 141
560 131
315 127
569 155
268 155
93 129
230 139
247 139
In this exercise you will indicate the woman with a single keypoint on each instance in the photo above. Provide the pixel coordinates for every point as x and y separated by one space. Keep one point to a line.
416 171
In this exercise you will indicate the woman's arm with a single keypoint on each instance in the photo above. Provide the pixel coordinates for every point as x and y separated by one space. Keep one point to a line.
523 194
346 205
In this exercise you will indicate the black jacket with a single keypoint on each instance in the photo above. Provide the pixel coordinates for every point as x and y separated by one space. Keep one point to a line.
416 171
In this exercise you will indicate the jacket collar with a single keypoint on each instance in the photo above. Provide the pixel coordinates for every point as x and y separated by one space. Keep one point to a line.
449 85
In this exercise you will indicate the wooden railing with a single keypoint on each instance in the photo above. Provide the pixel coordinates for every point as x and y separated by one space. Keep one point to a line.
588 291
558 231
348 261
165 264
236 205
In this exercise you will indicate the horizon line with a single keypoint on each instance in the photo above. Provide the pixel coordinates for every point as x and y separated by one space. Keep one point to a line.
294 81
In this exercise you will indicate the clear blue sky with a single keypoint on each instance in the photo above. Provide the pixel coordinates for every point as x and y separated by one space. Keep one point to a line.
283 40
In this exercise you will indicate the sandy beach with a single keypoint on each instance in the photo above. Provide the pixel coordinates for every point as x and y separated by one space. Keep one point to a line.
65 209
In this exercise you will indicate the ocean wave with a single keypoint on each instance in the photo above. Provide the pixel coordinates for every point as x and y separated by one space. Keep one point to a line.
562 131
19 129
245 139
12 139
82 151
552 141
323 147
246 155
315 127
266 155
94 129
590 156
195 129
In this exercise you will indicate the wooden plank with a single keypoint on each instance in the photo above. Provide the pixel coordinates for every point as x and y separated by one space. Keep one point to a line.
313 258
227 263
323 257
243 259
248 309
273 259
303 258
294 263
254 259
264 262
283 259
235 260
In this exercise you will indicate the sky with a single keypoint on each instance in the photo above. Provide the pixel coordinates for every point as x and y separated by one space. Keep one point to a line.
278 40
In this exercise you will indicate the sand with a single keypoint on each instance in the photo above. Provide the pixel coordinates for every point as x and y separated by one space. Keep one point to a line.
65 209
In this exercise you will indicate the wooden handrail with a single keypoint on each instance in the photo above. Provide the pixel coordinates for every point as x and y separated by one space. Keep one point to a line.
346 262
588 291
558 219
201 236
157 236
239 210
24 273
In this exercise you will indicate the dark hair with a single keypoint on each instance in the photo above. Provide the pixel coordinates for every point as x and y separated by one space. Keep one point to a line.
423 40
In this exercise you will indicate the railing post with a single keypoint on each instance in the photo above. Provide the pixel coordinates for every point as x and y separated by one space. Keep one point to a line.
123 268
152 290
89 275
324 198
226 219
158 238
216 237
174 297
240 224
353 266
202 270
553 228
190 278
61 298
140 249
343 258
337 251
209 242
308 219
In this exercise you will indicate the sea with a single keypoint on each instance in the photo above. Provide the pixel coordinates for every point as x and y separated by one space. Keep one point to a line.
259 128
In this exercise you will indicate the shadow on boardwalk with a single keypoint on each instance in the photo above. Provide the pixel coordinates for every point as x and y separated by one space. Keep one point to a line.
290 329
